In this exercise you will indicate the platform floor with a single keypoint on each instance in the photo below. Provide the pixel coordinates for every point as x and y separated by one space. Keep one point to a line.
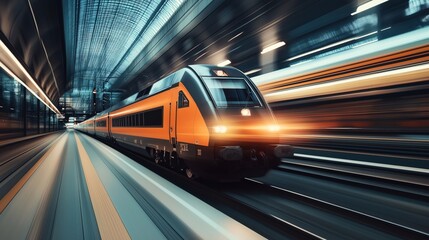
80 188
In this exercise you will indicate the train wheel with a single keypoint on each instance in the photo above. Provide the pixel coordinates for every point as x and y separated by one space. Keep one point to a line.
157 157
173 161
189 173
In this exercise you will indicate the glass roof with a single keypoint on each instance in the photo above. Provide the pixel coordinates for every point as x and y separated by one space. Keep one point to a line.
104 36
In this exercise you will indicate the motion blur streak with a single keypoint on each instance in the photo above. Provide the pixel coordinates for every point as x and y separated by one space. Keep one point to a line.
330 46
4 202
380 89
312 234
24 216
383 79
388 166
368 5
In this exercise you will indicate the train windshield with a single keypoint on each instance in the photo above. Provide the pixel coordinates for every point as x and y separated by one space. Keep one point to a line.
232 92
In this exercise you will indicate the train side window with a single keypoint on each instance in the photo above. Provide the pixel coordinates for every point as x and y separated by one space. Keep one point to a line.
141 120
183 100
143 92
154 117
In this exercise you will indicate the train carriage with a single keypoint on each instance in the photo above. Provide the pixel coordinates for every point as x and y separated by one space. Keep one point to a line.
210 121
100 125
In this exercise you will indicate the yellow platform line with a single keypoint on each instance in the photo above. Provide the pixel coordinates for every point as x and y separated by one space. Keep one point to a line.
4 202
109 222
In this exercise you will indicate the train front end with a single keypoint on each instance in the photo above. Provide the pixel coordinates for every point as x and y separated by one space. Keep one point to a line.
244 134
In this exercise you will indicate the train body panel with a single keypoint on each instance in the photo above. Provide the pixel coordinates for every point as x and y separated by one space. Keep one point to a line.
101 126
145 118
190 124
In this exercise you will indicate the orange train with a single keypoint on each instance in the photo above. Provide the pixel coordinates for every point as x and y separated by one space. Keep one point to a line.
209 121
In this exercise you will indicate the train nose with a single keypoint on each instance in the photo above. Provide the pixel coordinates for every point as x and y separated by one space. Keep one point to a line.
231 153
282 151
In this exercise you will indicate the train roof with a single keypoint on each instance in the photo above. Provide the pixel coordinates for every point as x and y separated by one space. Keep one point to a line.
203 70
206 70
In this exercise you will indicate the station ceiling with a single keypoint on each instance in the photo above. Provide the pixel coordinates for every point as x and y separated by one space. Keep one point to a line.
113 48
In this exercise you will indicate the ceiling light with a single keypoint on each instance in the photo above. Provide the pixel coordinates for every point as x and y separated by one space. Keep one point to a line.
368 5
273 46
224 63
252 71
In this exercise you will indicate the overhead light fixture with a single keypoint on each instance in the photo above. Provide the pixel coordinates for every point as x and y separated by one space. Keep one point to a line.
10 61
252 71
224 63
10 73
368 5
272 47
364 43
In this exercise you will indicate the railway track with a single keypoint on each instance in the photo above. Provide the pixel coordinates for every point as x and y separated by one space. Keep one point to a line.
396 230
280 213
269 226
376 179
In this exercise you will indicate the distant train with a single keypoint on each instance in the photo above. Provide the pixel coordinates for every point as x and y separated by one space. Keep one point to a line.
208 121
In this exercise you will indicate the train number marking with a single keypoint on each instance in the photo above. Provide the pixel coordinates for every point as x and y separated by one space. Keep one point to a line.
183 147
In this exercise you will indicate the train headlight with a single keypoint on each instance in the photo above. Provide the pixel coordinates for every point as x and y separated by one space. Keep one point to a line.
220 129
245 112
273 128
